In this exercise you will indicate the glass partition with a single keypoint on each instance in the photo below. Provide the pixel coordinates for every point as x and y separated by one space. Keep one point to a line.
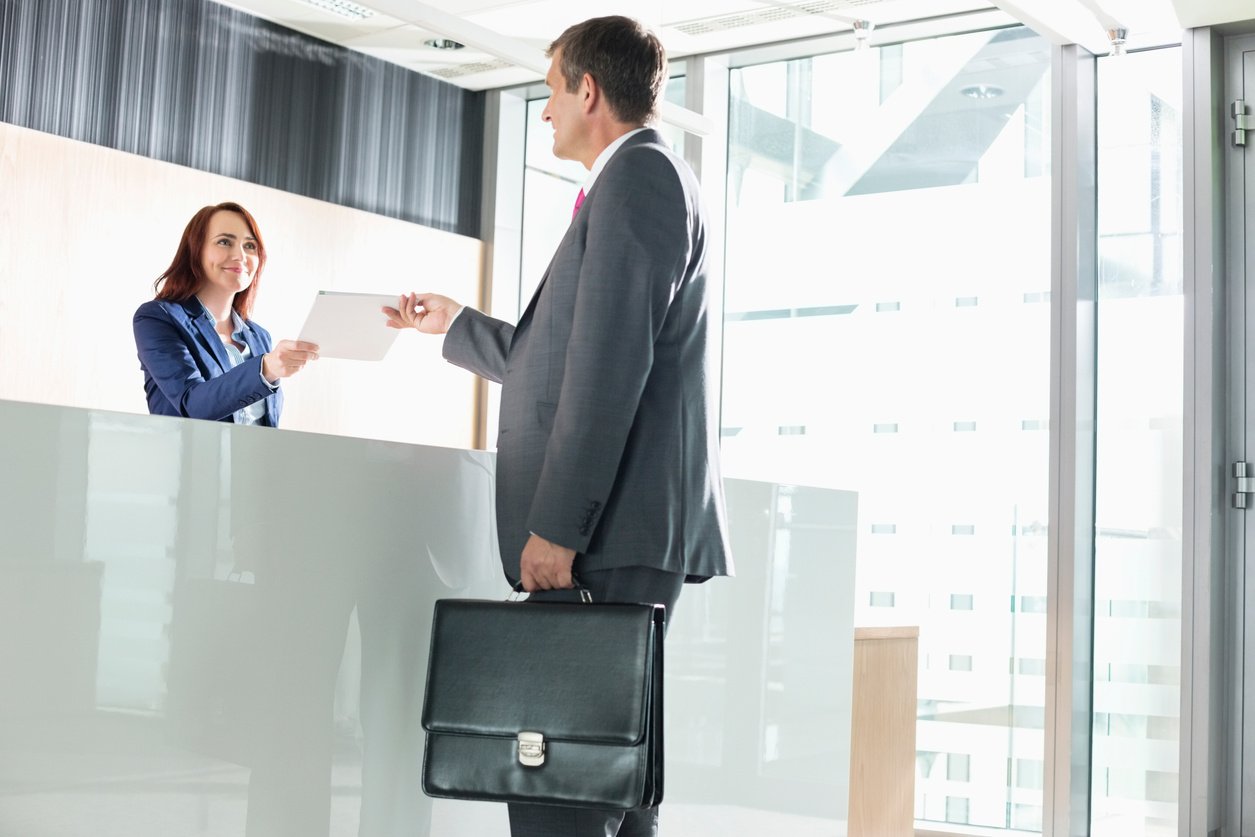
887 332
222 631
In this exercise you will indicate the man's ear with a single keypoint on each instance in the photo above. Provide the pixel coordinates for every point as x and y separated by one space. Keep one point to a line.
591 93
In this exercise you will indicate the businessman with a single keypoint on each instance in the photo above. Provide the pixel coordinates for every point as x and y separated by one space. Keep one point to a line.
607 453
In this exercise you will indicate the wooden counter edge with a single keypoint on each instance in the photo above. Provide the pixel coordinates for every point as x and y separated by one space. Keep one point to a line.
903 632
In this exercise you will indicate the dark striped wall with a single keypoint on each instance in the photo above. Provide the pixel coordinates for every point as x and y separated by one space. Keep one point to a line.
196 83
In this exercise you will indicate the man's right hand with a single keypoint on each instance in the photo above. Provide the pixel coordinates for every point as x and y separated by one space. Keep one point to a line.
545 565
429 313
287 358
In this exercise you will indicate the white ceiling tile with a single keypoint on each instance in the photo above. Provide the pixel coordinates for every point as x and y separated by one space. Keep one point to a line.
1146 22
403 34
544 20
493 79
1193 13
406 44
537 22
311 20
468 7
695 9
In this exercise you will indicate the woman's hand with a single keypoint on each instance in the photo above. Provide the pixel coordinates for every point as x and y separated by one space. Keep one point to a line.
429 313
287 358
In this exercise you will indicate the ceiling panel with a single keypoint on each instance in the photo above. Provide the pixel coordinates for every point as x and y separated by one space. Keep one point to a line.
312 20
686 27
1211 12
404 45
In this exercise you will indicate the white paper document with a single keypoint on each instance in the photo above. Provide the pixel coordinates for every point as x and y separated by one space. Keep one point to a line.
350 325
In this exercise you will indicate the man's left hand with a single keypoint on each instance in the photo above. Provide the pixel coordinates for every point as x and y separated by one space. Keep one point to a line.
545 565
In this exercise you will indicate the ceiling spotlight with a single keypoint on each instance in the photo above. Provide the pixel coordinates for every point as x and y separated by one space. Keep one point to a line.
442 43
982 91
343 8
1118 40
862 31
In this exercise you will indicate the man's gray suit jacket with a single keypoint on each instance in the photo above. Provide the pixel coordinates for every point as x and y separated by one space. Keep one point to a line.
608 440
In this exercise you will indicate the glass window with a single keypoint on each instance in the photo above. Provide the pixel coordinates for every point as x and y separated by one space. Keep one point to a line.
1137 566
1030 773
550 187
958 767
1026 817
888 278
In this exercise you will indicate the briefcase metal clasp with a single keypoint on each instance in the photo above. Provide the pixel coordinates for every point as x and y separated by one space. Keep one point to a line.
531 749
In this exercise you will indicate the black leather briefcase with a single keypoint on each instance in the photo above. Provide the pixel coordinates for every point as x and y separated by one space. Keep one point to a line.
548 703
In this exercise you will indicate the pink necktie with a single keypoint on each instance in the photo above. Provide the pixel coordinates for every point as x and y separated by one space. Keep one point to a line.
579 201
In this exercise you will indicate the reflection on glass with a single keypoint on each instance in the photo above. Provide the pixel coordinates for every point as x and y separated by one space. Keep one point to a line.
175 599
1137 581
768 658
813 540
887 332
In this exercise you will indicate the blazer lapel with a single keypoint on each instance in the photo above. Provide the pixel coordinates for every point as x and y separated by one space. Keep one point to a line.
253 341
531 305
203 326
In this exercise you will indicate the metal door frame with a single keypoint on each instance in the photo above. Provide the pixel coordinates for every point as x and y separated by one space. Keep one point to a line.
1237 257
1216 748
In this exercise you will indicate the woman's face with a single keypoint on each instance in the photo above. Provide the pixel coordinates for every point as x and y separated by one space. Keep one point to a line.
229 257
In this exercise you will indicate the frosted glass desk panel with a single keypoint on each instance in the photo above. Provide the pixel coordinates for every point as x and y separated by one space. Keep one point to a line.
218 630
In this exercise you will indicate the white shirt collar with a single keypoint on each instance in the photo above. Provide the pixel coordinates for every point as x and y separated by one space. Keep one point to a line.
604 157
237 322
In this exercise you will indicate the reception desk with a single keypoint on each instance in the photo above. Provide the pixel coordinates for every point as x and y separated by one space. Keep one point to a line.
222 631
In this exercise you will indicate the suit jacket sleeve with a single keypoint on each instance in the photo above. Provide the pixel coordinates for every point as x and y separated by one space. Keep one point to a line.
164 353
638 248
478 343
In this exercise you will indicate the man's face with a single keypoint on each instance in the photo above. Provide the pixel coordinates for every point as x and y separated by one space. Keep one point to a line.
565 112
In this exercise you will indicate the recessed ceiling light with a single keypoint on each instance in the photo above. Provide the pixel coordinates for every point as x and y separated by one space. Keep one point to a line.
442 43
343 8
982 91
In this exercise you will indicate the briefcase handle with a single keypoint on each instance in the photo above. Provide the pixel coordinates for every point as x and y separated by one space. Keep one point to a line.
586 595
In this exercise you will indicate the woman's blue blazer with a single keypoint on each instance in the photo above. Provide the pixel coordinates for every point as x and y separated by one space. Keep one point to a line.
187 371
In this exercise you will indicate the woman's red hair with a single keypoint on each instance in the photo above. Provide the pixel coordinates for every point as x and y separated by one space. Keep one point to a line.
183 278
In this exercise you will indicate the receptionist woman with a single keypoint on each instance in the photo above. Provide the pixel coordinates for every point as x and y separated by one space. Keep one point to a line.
201 354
